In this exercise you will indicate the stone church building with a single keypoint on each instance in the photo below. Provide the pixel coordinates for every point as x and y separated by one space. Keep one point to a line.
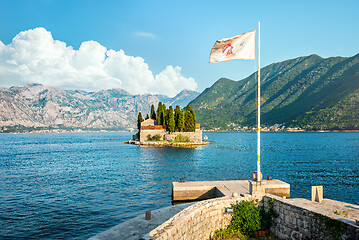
149 127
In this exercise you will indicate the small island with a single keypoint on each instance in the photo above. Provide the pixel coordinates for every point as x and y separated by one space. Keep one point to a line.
168 127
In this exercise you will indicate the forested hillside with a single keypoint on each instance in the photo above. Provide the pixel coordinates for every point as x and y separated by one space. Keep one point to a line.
309 92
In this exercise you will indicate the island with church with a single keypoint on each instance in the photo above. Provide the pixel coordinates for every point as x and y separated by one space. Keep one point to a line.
168 127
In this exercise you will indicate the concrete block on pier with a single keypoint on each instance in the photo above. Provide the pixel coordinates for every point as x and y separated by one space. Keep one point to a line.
257 188
277 187
317 193
192 193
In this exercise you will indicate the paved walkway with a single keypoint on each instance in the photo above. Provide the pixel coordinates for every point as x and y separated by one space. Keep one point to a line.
136 227
345 212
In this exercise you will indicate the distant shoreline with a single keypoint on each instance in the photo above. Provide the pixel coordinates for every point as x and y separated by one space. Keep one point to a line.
207 131
56 132
223 131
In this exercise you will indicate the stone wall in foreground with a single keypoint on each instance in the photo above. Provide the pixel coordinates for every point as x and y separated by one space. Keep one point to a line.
294 221
197 222
298 221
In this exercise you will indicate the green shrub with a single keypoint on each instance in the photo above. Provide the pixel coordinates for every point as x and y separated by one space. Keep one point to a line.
227 233
181 138
149 138
246 218
156 137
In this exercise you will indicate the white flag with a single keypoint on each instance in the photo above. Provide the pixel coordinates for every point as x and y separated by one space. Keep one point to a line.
238 47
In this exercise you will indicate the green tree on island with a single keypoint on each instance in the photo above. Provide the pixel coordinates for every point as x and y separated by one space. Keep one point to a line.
153 113
177 110
167 119
171 120
147 117
180 122
139 120
189 120
175 120
164 113
159 113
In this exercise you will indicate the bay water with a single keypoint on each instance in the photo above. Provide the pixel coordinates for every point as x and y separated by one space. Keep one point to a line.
75 185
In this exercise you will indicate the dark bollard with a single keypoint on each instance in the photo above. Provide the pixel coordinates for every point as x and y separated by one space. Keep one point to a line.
148 215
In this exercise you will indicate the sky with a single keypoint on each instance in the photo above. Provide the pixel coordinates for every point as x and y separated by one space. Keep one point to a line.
160 46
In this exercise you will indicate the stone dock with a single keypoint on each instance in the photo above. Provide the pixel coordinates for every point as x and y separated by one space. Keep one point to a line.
297 218
201 190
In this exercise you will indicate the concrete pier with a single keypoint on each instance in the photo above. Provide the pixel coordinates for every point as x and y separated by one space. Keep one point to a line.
201 190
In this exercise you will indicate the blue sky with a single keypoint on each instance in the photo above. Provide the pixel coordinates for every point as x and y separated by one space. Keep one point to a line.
182 33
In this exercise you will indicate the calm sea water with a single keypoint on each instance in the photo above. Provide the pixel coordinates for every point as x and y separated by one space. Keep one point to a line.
73 186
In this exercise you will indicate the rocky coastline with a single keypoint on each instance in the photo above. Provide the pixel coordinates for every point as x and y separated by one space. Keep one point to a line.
167 144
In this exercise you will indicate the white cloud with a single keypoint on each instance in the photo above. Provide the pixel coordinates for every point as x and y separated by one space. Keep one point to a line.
34 56
173 76
145 34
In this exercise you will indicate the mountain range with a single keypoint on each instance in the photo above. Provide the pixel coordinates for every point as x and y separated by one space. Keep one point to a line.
38 107
310 92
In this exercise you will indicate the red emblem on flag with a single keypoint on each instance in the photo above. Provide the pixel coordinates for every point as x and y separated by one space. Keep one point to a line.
227 49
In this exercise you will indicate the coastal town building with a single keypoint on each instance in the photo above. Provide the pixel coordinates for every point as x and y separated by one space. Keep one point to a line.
149 128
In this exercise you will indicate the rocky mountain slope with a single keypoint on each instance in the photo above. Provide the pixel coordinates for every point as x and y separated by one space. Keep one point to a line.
37 107
310 92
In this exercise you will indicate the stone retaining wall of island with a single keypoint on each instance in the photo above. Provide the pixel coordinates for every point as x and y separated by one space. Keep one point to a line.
145 133
193 136
150 129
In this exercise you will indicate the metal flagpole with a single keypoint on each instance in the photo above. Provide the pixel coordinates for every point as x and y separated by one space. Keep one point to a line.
259 107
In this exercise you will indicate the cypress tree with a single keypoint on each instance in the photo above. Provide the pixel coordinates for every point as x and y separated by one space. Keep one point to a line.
159 111
139 120
189 120
180 125
153 113
160 119
177 110
163 115
171 120
193 120
167 118
147 117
